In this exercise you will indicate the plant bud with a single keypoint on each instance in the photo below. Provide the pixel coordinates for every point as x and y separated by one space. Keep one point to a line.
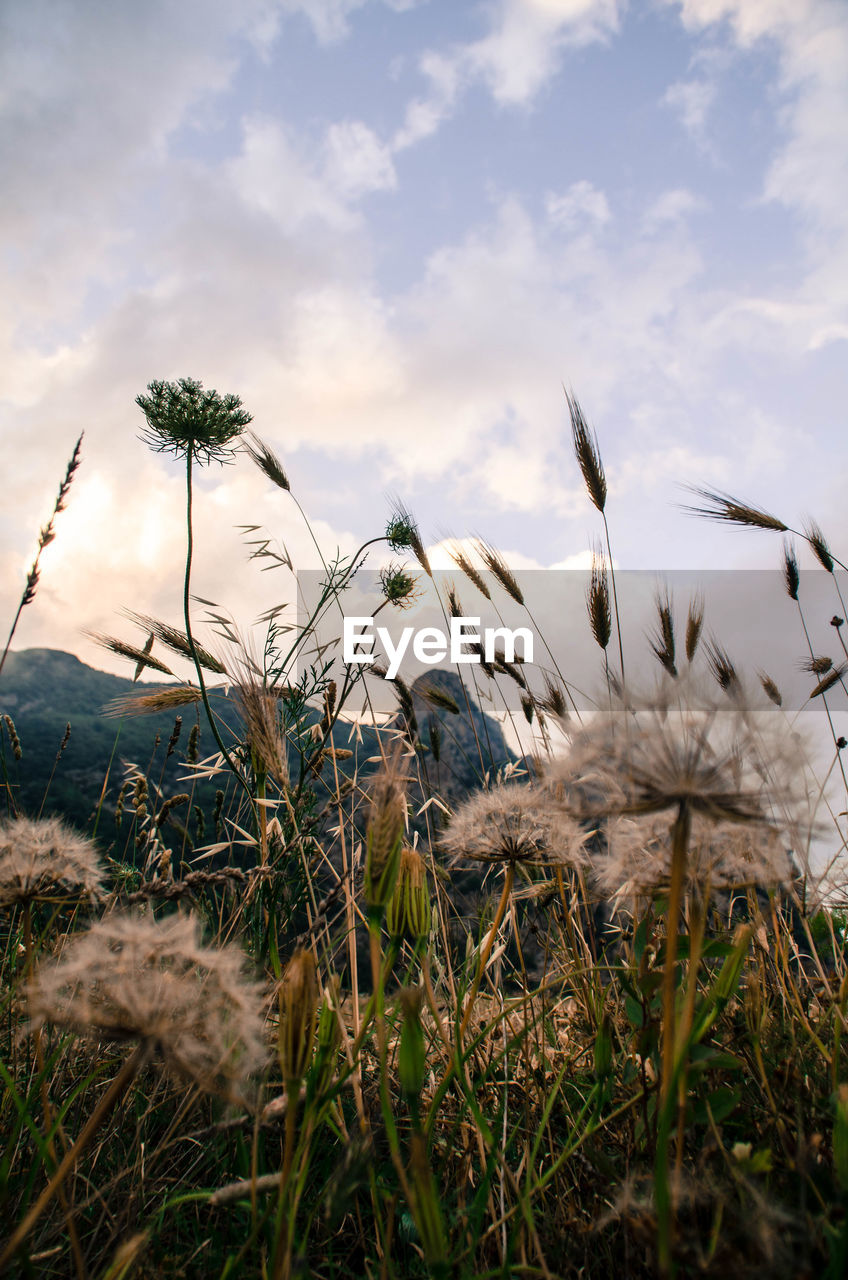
298 1001
384 840
408 914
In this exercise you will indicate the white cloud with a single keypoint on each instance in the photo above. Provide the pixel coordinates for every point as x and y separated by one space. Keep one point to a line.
808 174
521 52
527 39
581 203
271 176
423 116
357 161
672 207
692 99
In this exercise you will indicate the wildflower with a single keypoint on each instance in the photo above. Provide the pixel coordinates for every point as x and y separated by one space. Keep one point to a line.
722 855
516 824
675 748
398 586
189 422
43 859
135 978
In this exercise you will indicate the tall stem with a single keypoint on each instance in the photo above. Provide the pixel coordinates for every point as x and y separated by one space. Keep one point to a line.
187 615
679 850
112 1095
614 597
487 950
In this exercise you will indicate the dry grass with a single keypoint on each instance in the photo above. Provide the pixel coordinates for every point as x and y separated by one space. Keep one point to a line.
590 1023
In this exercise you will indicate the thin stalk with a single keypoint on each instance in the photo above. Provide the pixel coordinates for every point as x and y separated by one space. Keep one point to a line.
614 596
187 615
487 950
46 1108
113 1094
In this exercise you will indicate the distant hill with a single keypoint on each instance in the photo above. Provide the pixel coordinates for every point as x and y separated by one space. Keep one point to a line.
44 690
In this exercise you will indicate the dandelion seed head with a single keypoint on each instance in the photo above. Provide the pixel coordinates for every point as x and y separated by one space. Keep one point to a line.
136 978
677 747
722 855
515 824
42 858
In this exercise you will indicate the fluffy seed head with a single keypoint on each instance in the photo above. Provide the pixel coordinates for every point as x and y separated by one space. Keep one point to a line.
135 978
720 856
515 824
677 747
42 859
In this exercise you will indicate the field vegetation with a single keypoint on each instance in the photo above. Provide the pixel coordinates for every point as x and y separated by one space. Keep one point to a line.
299 1008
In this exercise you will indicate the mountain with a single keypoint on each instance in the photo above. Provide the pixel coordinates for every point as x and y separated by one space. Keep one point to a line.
45 690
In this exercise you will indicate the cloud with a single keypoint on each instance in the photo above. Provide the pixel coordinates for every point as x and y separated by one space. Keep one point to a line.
271 176
581 203
519 54
692 100
671 207
528 37
357 161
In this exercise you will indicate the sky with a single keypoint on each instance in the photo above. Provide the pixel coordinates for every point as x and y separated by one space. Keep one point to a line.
397 229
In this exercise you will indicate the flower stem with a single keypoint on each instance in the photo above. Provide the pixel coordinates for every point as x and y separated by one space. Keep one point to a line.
112 1095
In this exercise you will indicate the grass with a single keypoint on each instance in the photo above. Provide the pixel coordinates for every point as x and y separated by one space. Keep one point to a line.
627 1059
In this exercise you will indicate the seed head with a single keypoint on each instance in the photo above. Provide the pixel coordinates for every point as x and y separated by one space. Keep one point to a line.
791 573
515 824
384 840
720 856
678 746
41 859
135 978
598 601
267 461
499 567
398 587
728 510
818 544
662 642
462 562
588 454
298 1001
694 624
402 534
